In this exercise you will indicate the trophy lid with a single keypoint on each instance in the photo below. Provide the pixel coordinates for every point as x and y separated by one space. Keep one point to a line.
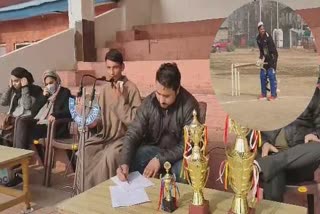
167 166
238 129
195 121
241 144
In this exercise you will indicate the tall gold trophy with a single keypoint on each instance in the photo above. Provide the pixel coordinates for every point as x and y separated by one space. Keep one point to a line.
196 168
240 170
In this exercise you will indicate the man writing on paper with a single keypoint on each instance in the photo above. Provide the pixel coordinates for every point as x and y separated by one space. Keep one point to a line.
156 134
118 101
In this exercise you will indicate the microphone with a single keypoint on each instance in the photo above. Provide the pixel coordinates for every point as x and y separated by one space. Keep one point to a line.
93 92
79 94
103 78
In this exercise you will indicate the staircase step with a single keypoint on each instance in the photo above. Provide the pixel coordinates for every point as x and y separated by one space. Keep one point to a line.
101 53
195 73
68 78
197 47
195 78
215 115
73 78
131 35
75 89
179 30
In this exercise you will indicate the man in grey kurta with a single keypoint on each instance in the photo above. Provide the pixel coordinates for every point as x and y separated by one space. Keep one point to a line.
118 101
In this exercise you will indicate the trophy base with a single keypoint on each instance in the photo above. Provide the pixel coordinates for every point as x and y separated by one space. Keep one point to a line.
169 206
200 209
250 211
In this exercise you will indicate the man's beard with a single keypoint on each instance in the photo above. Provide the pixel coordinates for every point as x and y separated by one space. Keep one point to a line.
16 90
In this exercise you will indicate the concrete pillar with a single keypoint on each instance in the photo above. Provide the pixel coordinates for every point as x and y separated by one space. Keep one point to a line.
81 18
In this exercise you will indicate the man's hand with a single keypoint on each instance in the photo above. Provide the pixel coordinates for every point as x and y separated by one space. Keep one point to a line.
94 124
24 82
152 168
266 148
51 118
10 83
258 63
123 172
79 104
311 137
117 90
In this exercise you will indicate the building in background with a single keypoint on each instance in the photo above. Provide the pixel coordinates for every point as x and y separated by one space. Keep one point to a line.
23 22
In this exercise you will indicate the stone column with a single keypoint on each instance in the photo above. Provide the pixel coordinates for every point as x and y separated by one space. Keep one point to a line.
81 18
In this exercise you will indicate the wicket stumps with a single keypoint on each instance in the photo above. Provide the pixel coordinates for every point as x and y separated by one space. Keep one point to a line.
235 77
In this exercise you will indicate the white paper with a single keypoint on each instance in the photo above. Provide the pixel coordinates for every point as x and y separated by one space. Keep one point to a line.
123 198
135 181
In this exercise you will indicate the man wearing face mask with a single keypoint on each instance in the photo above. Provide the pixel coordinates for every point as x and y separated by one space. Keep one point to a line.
156 134
20 97
51 105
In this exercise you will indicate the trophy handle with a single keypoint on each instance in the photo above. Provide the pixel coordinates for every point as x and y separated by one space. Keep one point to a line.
188 177
208 172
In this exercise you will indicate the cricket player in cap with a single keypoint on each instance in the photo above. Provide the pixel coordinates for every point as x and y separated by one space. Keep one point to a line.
268 56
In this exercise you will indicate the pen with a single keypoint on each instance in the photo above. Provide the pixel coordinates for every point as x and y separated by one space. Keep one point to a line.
125 175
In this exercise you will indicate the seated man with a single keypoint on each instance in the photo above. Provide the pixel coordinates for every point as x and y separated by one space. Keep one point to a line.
156 134
52 104
20 97
118 100
291 155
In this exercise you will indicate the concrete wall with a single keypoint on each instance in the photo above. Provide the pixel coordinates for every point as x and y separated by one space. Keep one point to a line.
169 11
106 26
137 12
79 10
129 14
55 52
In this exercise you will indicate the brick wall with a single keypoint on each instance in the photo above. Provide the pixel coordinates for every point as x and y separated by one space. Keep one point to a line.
11 2
32 29
37 28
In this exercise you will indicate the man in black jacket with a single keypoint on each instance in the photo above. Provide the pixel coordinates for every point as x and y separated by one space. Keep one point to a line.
291 155
269 53
156 134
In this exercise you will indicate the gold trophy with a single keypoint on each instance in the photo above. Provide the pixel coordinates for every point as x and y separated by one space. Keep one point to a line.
168 200
240 170
196 168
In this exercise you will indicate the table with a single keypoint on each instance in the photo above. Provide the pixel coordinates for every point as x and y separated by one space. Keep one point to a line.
97 201
10 157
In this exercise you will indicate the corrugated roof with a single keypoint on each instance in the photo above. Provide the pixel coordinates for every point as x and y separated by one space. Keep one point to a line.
36 8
